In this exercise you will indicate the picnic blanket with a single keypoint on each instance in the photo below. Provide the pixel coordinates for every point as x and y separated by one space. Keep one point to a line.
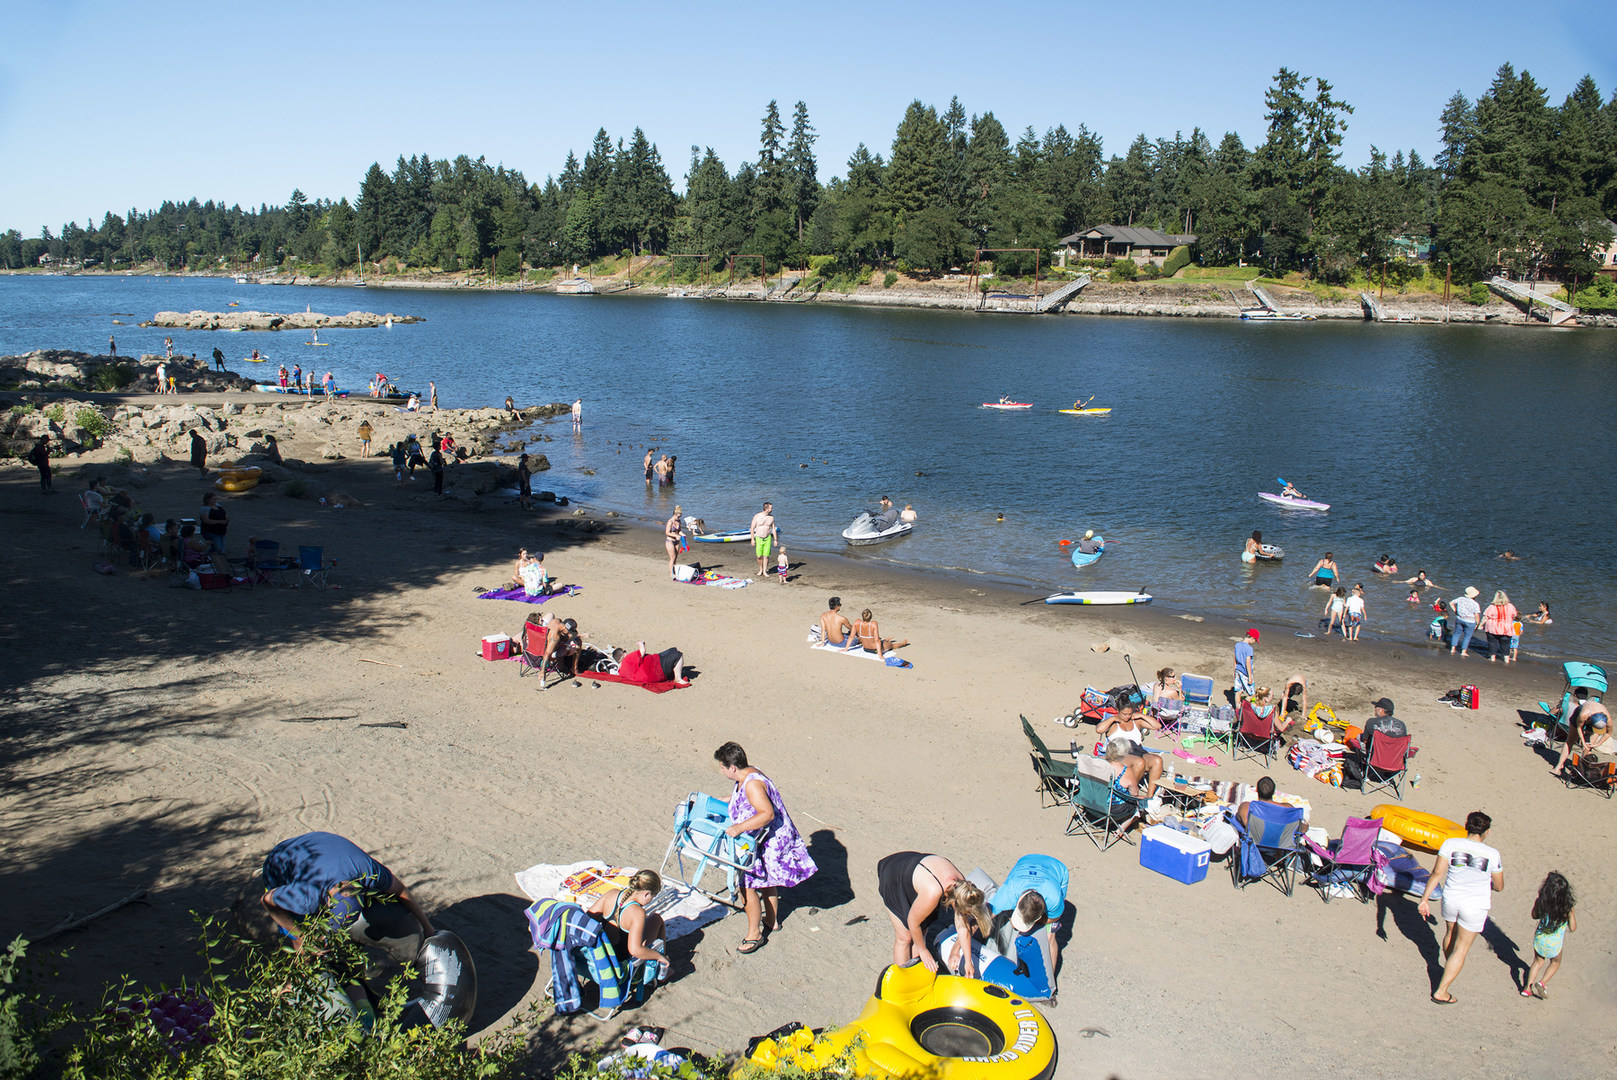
852 648
655 687
683 908
523 598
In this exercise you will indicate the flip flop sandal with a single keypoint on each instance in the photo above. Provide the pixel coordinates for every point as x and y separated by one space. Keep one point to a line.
1439 1001
1541 992
751 945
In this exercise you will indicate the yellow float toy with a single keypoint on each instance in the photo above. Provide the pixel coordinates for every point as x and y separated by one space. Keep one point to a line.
236 482
939 1026
1422 830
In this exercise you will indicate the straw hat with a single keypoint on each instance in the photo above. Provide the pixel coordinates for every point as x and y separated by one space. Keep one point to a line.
1471 591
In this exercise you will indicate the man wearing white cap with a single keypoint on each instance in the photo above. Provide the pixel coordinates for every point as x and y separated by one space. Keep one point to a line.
1466 613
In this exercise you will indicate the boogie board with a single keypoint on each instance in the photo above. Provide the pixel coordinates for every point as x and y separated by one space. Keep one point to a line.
1300 504
736 537
1080 558
1100 598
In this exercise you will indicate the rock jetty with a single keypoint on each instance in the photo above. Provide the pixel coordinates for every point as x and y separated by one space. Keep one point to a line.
269 320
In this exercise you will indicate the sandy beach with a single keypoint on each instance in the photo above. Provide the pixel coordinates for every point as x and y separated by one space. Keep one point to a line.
165 738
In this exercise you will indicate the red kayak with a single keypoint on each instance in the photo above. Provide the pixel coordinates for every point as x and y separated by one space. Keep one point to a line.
1007 404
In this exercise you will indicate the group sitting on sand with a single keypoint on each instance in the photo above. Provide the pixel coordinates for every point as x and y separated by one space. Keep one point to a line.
835 629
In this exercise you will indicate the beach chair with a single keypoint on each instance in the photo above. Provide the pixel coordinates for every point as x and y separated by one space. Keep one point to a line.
93 503
1268 846
1198 691
312 568
1055 777
699 824
1590 770
1098 812
1385 768
533 651
1345 862
1255 736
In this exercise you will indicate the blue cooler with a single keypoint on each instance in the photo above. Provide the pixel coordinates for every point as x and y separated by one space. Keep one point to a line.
1175 854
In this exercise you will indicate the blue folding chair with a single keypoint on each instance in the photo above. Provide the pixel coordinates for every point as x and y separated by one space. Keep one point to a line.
1270 846
700 821
312 569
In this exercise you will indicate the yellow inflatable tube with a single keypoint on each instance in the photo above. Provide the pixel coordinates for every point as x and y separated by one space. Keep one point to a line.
1414 827
940 1026
236 482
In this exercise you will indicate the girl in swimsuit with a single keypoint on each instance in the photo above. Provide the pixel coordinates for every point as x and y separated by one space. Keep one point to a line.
1250 555
912 887
629 925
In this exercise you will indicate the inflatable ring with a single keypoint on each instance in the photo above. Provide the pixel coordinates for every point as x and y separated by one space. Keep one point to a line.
232 482
1423 830
919 1023
242 472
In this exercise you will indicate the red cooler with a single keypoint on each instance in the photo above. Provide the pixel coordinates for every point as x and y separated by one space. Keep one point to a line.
497 647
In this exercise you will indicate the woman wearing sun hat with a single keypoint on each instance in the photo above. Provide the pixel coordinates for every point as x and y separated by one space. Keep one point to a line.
1466 613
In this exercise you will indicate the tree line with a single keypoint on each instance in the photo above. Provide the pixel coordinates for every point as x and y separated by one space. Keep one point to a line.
1518 184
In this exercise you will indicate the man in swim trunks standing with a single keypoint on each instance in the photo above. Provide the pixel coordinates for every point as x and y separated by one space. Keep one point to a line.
764 534
834 626
578 415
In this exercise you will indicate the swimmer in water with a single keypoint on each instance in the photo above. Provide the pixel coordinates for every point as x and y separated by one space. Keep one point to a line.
1000 520
1386 565
1253 542
1509 554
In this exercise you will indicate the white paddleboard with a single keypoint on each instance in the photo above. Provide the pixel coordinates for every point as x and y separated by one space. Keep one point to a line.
1107 599
725 537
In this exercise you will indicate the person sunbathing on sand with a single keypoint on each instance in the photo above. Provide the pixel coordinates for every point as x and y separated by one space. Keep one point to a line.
834 626
869 635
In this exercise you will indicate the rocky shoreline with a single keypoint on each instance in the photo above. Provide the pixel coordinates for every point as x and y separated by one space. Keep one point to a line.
266 320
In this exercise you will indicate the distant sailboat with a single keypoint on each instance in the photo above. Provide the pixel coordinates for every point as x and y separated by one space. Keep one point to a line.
361 283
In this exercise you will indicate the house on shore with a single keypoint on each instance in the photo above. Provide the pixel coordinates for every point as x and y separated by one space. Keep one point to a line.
1120 242
1607 256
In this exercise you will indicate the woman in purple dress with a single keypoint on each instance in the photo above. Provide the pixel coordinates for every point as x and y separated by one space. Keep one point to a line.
783 858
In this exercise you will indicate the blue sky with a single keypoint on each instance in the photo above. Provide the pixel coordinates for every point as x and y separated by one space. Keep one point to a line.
104 106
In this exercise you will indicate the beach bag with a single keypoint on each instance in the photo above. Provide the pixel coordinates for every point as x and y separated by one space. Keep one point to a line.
684 573
1470 697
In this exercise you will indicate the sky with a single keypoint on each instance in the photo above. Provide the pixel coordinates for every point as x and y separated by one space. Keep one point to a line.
112 105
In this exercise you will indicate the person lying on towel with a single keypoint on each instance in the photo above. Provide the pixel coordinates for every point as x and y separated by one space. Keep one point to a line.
643 667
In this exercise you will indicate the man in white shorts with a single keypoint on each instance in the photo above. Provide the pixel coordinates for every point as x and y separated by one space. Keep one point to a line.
1470 872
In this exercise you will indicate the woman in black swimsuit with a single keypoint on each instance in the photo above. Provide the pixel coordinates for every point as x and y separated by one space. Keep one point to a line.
912 886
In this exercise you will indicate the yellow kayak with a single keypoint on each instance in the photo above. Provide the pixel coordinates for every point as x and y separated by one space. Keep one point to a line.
1084 412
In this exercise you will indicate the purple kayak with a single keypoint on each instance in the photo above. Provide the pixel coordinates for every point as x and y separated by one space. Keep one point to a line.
1301 504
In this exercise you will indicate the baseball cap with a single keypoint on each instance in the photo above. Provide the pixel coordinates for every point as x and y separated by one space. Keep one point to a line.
1384 704
1251 633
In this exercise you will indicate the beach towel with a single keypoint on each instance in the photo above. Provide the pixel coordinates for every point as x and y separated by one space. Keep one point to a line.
523 598
683 909
654 687
853 648
713 577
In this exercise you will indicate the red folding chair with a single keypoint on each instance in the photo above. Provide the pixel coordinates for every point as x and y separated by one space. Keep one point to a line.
1389 760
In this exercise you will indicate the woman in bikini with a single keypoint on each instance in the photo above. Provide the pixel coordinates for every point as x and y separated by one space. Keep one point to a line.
629 926
672 530
912 886
869 635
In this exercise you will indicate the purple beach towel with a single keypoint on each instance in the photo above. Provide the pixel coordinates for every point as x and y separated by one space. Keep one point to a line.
523 598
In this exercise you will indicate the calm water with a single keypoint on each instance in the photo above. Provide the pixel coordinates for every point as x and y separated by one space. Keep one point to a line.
1442 446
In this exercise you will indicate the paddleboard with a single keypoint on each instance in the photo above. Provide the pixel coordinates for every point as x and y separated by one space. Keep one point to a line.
724 537
1099 598
250 360
1081 559
1084 412
1300 504
318 344
1007 405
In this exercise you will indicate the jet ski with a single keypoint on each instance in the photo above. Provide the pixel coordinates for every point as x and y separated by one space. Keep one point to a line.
864 530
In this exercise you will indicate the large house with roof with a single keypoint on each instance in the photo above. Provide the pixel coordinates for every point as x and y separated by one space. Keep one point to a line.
1120 242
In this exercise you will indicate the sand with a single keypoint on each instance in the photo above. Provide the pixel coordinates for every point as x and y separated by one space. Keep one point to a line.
168 738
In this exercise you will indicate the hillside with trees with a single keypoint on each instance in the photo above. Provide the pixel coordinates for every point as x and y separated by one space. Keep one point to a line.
1518 184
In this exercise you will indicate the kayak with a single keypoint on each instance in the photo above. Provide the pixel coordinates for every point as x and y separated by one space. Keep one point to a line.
1300 504
1079 558
1100 598
725 538
1007 404
1084 412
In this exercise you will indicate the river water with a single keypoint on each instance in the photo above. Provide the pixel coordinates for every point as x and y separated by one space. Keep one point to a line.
1442 446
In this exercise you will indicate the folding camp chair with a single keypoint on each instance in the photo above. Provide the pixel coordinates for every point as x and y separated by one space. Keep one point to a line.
312 567
1098 811
93 504
1590 770
1255 736
1198 690
1345 862
533 651
1389 758
699 833
1269 848
1055 777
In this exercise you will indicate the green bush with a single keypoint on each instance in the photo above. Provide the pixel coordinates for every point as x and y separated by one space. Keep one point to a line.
1124 270
1178 259
889 279
1598 295
24 1024
56 413
274 1015
94 424
112 377
295 489
1151 271
1479 293
820 263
